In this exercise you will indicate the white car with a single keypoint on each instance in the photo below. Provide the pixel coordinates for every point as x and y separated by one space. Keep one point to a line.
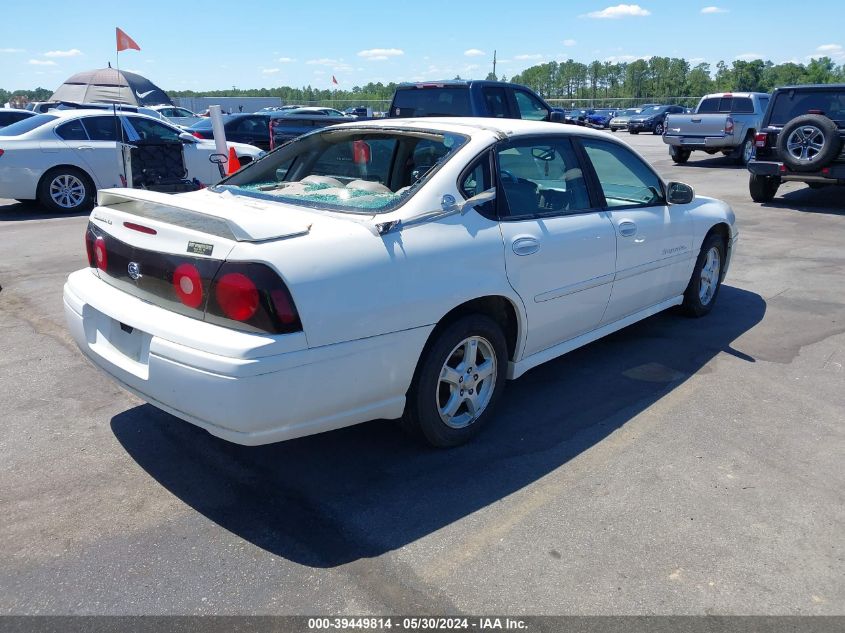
387 269
63 157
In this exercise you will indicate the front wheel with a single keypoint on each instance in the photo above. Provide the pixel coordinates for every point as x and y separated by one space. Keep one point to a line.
706 279
762 188
458 381
658 129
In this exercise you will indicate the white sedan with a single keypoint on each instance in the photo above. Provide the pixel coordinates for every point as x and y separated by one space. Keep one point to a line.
398 269
63 157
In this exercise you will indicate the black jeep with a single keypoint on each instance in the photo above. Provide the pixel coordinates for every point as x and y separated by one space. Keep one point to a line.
802 139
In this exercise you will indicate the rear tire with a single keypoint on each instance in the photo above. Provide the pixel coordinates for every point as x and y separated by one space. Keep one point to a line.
762 188
703 287
633 132
453 395
744 151
679 154
66 190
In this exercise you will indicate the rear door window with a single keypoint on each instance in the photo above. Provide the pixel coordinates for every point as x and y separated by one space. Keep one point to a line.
497 102
72 131
150 130
102 128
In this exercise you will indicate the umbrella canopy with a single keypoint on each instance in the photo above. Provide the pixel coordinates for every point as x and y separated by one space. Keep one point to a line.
108 85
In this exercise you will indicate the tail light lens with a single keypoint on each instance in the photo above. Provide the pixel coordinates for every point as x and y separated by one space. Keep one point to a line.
197 134
2 152
761 139
101 256
89 248
187 283
729 126
253 295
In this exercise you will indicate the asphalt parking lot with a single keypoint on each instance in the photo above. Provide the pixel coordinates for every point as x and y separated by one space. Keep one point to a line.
677 467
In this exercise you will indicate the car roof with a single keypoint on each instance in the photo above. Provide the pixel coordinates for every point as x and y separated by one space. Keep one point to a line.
475 126
17 110
730 93
812 87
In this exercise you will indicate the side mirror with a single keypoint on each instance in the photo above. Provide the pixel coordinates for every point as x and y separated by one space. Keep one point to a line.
219 159
478 199
679 193
556 117
187 137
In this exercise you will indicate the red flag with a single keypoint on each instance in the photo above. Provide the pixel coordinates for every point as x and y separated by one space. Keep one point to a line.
334 81
124 42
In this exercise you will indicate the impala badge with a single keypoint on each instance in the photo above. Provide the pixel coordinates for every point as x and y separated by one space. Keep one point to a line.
134 270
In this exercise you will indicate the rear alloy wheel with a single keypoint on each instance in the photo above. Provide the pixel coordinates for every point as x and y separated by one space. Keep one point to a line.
658 129
762 188
745 151
679 154
706 277
457 383
66 190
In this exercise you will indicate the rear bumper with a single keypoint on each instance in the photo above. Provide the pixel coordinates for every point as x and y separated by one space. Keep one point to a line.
237 393
19 182
832 174
703 142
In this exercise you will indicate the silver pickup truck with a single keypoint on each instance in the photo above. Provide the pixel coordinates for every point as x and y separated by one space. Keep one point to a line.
723 122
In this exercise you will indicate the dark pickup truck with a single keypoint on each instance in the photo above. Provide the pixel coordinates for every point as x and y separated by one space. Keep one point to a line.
461 98
802 138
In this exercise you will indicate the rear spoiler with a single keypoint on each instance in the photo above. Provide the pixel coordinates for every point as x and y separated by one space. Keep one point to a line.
223 218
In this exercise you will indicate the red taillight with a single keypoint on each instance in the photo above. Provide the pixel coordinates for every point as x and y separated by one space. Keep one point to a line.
237 296
101 256
729 126
2 152
140 228
197 134
89 248
188 285
283 306
761 139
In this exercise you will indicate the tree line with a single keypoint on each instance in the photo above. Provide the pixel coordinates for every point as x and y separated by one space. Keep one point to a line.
658 79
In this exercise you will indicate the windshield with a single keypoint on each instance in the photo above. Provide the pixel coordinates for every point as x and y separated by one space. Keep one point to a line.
27 125
651 110
350 170
791 103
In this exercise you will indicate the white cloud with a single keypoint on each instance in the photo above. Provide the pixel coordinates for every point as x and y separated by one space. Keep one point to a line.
323 61
528 56
834 51
42 62
380 54
619 11
569 42
748 57
474 52
711 10
270 71
285 60
618 59
74 52
12 50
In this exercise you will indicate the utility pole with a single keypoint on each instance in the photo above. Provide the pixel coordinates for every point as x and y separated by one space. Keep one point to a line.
494 63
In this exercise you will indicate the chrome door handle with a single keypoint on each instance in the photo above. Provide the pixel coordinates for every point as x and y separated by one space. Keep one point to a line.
525 246
85 147
627 228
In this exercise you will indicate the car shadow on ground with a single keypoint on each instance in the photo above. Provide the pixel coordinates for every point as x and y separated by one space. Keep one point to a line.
717 160
830 200
32 210
359 492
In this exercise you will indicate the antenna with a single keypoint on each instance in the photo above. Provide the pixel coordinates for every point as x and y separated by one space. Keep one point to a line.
494 63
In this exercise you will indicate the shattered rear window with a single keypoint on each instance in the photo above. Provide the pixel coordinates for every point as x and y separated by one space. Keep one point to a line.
350 170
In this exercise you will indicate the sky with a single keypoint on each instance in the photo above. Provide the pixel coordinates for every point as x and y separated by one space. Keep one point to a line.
215 45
